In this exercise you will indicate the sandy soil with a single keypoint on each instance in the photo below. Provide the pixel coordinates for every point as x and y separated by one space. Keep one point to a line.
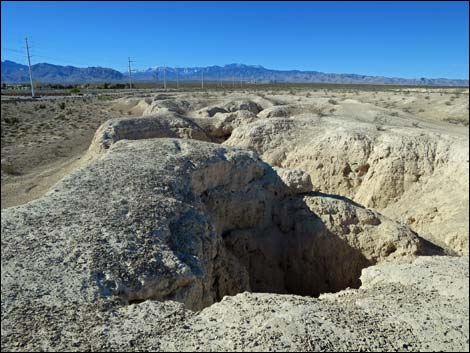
44 140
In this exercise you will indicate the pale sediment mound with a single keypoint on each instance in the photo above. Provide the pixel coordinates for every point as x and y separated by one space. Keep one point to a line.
277 111
179 106
416 176
229 107
249 105
145 127
220 125
173 219
133 105
296 180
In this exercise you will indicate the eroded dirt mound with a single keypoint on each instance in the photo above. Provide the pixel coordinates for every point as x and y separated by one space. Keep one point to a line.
158 125
277 111
131 105
179 106
418 177
230 106
171 219
221 125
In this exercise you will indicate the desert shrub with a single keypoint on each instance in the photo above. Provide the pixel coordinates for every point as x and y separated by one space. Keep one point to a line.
75 90
12 121
7 168
394 114
42 106
62 105
332 101
457 121
448 103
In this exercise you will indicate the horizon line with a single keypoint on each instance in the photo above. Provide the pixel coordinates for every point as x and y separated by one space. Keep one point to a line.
257 66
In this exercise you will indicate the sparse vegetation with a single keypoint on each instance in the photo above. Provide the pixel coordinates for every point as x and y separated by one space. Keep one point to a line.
9 169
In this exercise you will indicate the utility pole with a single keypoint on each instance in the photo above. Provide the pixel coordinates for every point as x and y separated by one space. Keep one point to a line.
130 75
219 84
177 79
164 76
155 75
30 71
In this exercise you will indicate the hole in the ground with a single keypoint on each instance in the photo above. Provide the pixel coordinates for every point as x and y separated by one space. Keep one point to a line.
269 241
302 258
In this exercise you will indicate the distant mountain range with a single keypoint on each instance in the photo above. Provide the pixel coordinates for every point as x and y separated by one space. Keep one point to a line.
47 73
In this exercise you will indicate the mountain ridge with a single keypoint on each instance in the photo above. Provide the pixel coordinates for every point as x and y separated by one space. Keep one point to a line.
13 72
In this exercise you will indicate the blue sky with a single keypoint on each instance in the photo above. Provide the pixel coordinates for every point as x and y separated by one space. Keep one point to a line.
401 39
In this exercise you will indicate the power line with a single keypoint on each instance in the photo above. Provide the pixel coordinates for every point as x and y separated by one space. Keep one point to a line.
12 50
65 61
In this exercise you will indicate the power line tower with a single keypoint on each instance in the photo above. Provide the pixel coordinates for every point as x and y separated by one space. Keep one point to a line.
30 71
130 71
177 79
164 76
155 76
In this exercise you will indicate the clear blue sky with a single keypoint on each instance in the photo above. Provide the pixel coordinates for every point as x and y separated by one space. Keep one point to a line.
401 39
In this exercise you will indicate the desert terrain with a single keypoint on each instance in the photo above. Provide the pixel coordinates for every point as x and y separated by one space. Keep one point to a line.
288 217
